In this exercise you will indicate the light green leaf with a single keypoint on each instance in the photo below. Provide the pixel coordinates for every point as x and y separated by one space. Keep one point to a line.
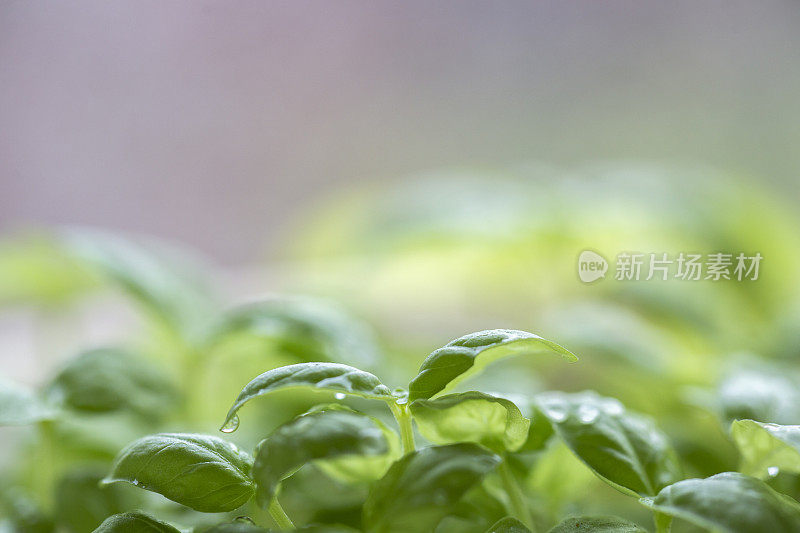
508 525
134 522
203 472
161 277
312 437
467 356
596 524
767 449
624 449
331 377
476 417
112 379
422 487
312 330
20 406
729 503
760 392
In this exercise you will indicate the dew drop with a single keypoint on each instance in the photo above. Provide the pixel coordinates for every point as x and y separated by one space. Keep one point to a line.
135 481
339 395
231 425
773 471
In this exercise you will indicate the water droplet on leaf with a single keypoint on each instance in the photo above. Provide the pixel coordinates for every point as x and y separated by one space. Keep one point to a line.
339 395
231 425
773 471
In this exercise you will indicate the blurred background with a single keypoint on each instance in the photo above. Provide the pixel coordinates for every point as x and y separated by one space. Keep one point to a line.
407 173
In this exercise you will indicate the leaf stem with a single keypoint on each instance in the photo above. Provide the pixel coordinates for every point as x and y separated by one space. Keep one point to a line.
279 515
663 522
518 508
403 417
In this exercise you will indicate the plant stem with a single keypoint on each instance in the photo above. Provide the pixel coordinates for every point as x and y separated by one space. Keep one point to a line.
663 522
518 508
279 515
403 417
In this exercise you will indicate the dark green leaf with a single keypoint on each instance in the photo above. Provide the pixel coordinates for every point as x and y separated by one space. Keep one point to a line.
20 406
112 379
467 355
422 487
596 524
729 503
317 436
205 473
81 504
767 449
332 377
240 525
493 422
508 525
134 522
625 449
309 329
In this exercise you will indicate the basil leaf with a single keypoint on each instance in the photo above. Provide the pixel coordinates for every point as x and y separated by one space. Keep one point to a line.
360 468
760 392
596 524
333 377
459 358
240 525
508 525
205 473
422 487
164 279
134 522
81 504
729 502
112 379
20 406
312 330
494 422
625 449
311 437
767 449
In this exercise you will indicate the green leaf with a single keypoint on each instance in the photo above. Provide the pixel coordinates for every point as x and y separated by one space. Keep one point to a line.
112 379
508 525
729 502
760 392
134 522
476 417
205 473
360 468
624 449
312 437
240 525
312 330
161 277
20 406
460 359
81 504
331 377
767 449
596 524
422 487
